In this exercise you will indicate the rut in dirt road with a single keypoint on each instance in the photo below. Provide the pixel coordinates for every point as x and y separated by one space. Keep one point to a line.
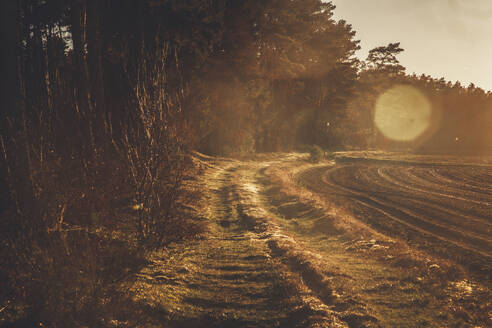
237 271
225 280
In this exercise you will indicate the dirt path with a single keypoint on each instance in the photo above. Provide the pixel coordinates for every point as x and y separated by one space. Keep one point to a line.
272 258
229 278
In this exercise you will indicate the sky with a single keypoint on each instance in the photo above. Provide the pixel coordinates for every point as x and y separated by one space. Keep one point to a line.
441 38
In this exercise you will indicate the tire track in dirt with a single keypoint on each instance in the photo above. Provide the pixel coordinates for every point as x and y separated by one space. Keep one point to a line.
351 182
232 277
225 280
415 216
476 177
456 217
410 181
477 211
436 176
311 272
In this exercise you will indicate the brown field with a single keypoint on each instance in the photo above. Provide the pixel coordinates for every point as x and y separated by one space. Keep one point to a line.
407 236
442 207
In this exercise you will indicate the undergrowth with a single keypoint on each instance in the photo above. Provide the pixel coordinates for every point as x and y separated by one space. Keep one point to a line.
86 202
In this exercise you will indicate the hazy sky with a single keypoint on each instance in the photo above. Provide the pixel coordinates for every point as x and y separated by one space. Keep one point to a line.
443 38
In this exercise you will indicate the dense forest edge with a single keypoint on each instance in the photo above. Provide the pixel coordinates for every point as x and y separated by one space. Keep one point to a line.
103 104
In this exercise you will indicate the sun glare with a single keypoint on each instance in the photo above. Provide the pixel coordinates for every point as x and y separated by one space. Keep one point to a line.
402 113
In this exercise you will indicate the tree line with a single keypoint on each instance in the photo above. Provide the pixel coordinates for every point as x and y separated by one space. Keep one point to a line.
462 114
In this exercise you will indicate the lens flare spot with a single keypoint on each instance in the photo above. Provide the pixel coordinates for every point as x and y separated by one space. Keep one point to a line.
402 113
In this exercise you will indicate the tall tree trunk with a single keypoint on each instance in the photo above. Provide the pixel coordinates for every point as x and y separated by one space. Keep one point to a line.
39 85
78 16
78 19
94 45
10 91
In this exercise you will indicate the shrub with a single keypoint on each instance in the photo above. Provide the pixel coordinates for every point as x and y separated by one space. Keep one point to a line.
154 152
60 264
316 154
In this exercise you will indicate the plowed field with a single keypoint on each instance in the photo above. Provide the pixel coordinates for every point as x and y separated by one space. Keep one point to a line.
444 208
